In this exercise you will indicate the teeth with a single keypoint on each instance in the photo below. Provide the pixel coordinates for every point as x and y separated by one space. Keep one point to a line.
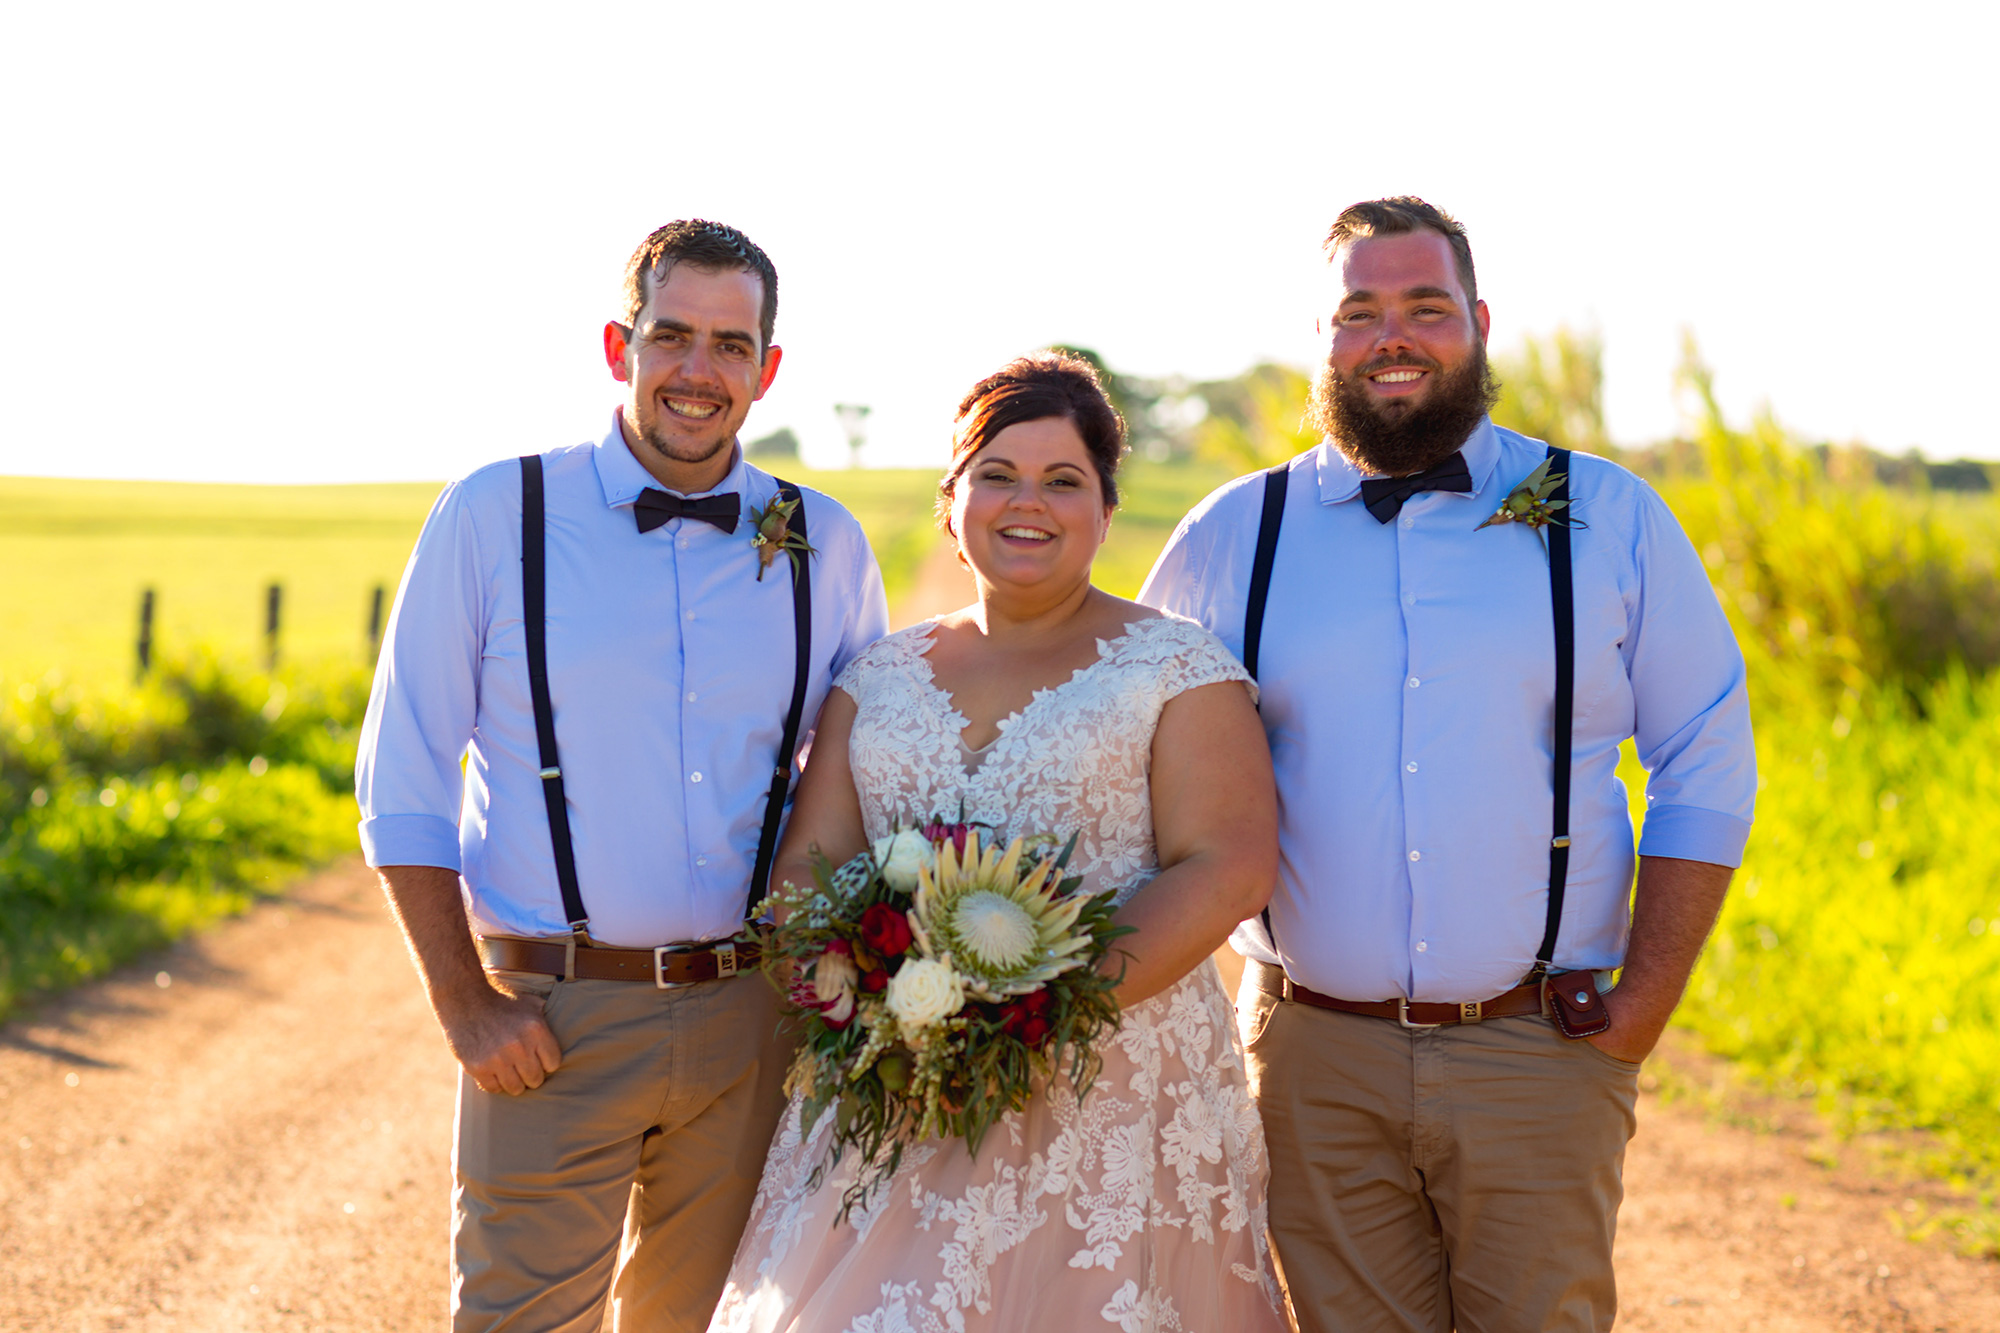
1030 533
1397 376
691 409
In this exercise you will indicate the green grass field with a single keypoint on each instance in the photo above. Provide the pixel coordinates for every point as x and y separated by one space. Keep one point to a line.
81 552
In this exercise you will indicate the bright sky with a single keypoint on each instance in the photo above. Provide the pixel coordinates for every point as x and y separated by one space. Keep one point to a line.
276 242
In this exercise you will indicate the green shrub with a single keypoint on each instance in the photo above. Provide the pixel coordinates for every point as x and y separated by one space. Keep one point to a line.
128 819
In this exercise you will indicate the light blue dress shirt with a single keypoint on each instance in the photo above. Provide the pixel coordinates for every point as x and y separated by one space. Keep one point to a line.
1408 671
670 667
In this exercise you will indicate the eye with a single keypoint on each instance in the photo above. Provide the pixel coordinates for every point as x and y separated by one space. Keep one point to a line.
1356 317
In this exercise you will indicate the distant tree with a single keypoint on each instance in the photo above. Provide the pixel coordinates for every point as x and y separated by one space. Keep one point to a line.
1255 419
1553 389
780 443
1151 408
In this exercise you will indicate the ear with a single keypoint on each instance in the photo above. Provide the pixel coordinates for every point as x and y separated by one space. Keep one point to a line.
618 351
772 356
1481 317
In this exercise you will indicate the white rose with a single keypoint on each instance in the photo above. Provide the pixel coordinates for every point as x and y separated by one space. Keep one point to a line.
901 855
834 976
924 992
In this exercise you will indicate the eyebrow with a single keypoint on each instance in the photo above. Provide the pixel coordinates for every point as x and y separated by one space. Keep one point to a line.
662 325
1008 462
1408 294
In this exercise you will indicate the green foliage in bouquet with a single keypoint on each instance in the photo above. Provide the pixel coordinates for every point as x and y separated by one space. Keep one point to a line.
941 986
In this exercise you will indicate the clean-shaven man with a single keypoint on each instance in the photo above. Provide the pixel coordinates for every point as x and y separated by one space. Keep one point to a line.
1445 1076
627 662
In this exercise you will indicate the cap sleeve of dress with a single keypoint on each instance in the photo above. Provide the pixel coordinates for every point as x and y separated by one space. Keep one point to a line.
1190 657
887 656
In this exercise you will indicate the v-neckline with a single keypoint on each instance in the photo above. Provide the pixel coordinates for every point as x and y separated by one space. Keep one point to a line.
1005 726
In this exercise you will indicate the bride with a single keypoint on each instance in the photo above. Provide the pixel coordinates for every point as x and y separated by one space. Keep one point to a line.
1048 706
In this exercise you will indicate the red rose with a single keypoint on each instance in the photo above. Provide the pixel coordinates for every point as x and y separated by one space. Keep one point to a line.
885 931
1034 1030
875 982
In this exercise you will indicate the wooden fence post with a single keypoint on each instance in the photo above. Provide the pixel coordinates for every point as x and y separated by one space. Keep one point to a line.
145 632
375 624
273 603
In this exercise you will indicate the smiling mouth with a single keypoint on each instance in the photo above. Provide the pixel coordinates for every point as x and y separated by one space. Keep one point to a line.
1026 534
1398 375
692 409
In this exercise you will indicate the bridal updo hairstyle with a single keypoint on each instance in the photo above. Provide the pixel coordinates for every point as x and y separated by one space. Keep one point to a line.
1037 388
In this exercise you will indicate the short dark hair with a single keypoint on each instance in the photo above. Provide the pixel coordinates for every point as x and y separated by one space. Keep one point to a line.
1399 215
1037 388
710 246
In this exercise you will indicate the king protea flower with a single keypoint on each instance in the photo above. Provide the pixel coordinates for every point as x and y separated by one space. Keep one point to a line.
998 917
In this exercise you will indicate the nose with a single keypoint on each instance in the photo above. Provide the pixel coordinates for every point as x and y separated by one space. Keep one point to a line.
1392 333
699 363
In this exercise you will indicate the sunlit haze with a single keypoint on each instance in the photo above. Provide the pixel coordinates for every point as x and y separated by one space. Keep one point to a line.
373 241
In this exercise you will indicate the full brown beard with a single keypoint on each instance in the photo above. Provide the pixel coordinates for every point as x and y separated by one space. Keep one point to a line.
1396 439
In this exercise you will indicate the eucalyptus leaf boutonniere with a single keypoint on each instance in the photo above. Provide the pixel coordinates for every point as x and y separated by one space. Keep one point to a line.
771 532
1529 503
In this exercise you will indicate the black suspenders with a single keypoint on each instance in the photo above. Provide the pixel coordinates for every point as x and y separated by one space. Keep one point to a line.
1562 601
534 614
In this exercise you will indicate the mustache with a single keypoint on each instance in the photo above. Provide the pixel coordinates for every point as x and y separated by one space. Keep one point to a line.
1402 359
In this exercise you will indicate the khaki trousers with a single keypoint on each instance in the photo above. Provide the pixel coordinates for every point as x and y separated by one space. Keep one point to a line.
630 1172
1455 1177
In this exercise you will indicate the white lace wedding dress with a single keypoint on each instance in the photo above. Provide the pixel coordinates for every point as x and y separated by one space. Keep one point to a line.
1140 1208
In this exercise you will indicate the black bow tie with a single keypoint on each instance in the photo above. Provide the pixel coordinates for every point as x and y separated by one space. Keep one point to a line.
1384 496
656 507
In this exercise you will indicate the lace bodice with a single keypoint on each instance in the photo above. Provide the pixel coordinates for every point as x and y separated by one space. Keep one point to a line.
1076 759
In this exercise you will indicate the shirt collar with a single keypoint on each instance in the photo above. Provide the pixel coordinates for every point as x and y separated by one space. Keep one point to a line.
1340 480
619 473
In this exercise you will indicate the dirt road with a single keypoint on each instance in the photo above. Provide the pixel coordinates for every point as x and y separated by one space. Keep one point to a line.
262 1143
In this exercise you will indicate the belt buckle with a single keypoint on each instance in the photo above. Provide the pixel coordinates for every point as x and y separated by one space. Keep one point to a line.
1403 1016
660 966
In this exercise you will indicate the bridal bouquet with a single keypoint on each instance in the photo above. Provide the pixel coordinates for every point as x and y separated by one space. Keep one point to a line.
939 981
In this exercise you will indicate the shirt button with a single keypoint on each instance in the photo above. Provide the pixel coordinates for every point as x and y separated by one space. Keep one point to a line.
1423 946
1410 766
1408 521
690 696
683 543
696 777
1409 599
1414 856
690 615
1414 682
701 860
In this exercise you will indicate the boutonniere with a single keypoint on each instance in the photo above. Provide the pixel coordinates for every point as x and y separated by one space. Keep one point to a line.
771 532
1529 503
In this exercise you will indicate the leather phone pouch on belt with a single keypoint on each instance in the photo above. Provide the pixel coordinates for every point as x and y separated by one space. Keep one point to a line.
1574 1005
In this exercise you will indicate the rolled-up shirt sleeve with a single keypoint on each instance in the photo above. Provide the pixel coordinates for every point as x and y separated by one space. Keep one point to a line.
1692 710
424 703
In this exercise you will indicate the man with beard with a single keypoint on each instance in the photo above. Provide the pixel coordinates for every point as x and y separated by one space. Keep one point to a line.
624 656
1445 1074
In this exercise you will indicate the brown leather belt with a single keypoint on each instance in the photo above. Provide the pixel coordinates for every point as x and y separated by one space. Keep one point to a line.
668 965
1507 1004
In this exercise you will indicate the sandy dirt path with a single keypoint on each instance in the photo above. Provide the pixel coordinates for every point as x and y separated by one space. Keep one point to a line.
263 1144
